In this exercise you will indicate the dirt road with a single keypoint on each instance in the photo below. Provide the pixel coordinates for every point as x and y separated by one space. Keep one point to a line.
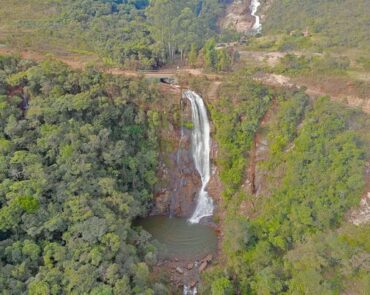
315 91
77 62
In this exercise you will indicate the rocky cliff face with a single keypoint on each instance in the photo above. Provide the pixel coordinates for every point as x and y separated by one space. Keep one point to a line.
179 180
237 16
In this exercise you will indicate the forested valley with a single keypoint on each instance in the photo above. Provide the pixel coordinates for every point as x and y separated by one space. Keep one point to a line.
102 103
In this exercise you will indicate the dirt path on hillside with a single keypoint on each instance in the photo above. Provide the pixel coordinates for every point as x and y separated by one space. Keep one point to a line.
77 62
339 93
212 92
271 58
318 90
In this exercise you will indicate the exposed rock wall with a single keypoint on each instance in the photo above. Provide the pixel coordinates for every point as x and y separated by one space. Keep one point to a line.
361 214
179 179
238 16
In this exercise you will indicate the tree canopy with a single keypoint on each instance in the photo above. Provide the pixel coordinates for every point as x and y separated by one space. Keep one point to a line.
78 159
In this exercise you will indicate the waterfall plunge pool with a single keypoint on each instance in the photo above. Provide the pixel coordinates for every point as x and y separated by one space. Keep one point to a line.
188 238
179 238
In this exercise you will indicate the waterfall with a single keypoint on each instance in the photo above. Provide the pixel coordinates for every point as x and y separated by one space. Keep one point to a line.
257 27
201 144
190 291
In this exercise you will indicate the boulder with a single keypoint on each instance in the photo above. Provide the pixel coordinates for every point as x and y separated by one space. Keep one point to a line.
179 270
203 266
176 194
208 258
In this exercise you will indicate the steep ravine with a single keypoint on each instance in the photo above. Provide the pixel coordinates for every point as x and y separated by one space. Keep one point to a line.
186 190
179 179
185 168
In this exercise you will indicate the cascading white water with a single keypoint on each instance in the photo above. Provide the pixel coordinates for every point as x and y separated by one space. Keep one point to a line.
201 144
190 291
257 27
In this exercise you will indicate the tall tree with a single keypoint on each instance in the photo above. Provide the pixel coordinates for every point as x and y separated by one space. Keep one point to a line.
210 54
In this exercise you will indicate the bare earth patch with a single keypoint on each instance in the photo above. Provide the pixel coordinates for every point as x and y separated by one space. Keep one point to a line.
269 58
337 90
238 17
361 214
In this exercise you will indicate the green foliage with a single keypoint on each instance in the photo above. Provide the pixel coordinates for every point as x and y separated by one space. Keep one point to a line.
223 60
328 21
28 204
222 286
78 165
331 262
188 124
210 54
193 55
320 65
364 62
236 116
299 243
216 59
38 288
284 130
138 34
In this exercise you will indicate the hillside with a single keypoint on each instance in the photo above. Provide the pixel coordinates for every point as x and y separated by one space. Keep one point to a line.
78 163
132 34
342 24
163 147
292 168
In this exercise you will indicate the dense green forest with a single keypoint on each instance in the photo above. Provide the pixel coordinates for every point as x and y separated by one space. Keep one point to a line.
137 34
79 155
295 240
78 159
238 111
84 154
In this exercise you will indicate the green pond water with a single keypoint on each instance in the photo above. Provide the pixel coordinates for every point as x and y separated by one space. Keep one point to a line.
179 238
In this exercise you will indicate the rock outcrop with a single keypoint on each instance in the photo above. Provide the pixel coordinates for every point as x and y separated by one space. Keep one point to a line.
361 214
179 180
238 17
